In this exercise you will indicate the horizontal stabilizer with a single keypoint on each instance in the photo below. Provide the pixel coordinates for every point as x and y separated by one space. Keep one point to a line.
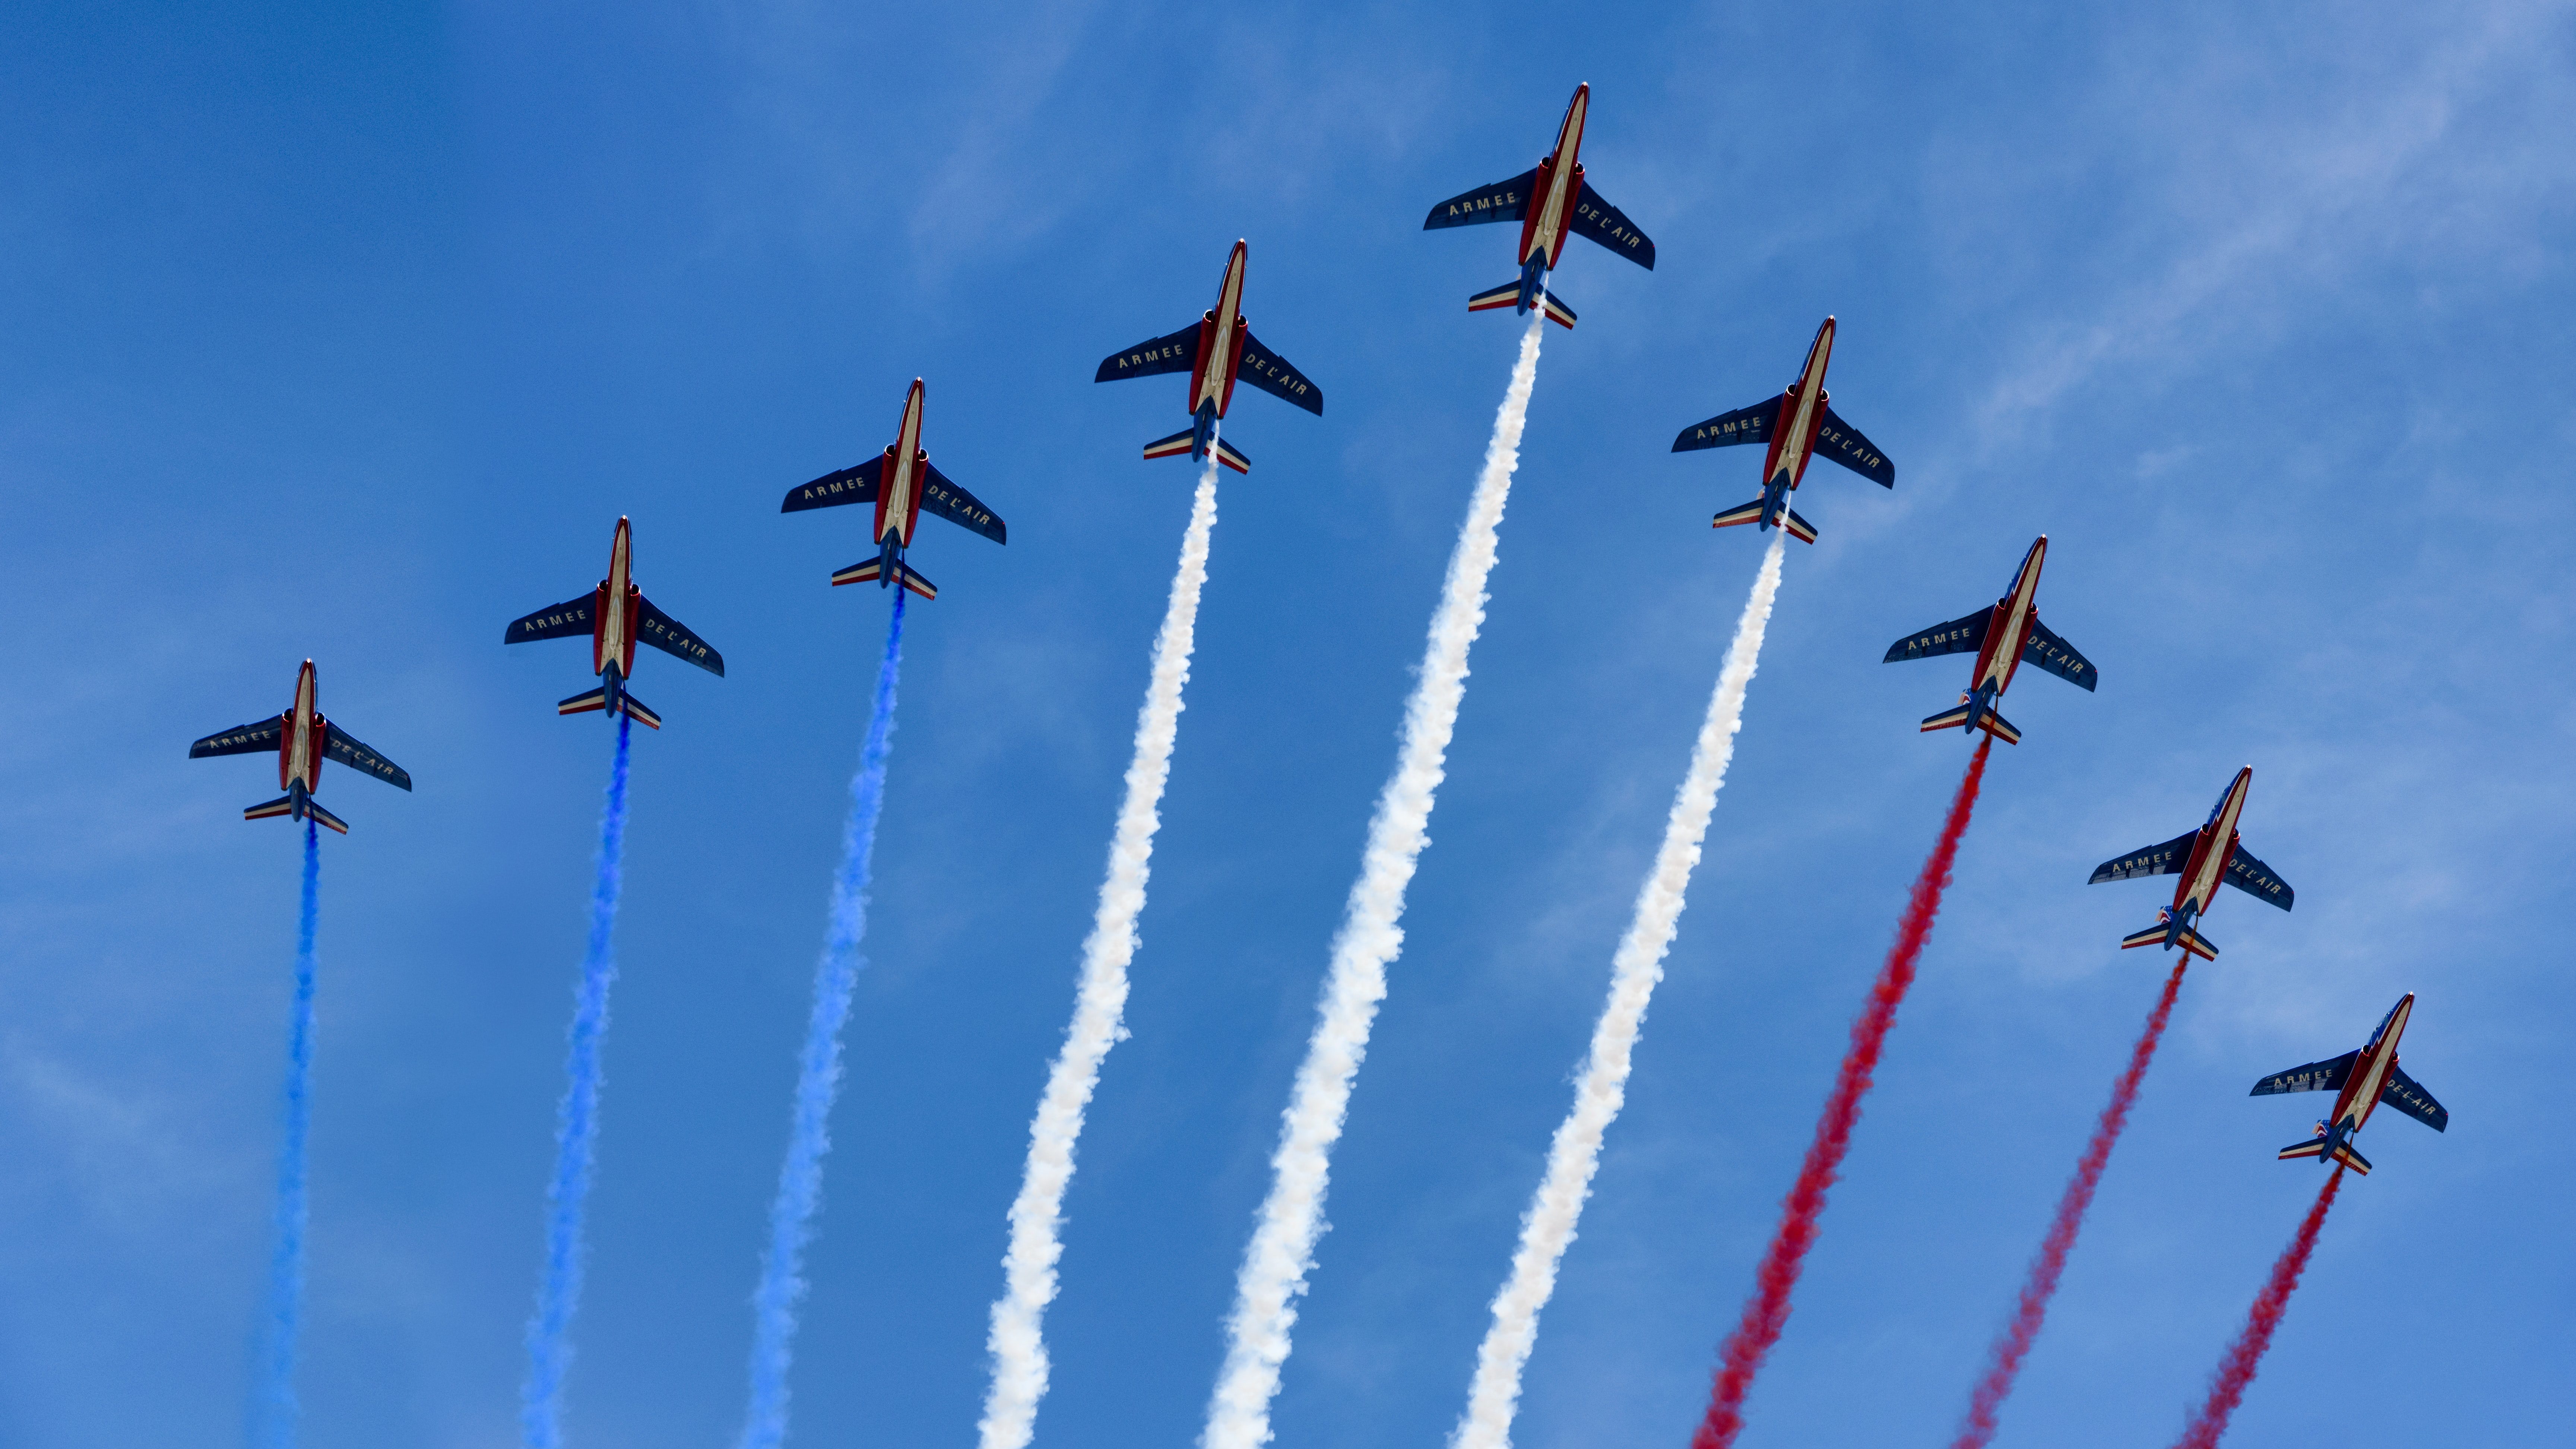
1799 528
1232 457
1506 200
2190 940
873 570
1739 516
283 804
2345 1155
1948 719
2313 1147
1998 726
1175 446
329 820
1506 295
1557 312
583 703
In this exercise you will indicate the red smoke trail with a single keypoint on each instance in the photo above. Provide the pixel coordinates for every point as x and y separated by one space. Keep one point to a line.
2236 1370
2014 1344
1767 1312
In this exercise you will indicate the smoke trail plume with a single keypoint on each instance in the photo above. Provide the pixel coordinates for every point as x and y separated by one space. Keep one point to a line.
274 1411
2235 1371
1767 1312
1575 1154
1282 1250
1017 1345
818 1075
576 1132
2013 1344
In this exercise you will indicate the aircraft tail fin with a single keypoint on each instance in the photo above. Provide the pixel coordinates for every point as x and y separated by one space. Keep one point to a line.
1232 457
1557 312
328 820
2156 935
627 703
1957 719
1799 528
584 703
2313 1147
2344 1154
873 570
1739 516
283 804
1496 298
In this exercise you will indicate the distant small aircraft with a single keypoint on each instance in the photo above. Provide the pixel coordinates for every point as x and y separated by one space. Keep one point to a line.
302 739
2360 1080
1799 426
2203 858
2003 637
901 482
1551 201
616 616
1215 351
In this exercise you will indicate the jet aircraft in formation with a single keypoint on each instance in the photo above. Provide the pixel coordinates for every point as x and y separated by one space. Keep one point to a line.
2003 637
2361 1079
616 616
2203 858
901 482
303 739
1214 351
1798 425
1551 201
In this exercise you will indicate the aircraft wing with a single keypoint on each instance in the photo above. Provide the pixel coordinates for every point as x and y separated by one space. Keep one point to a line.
346 748
559 621
1506 200
1959 636
850 485
2325 1076
249 739
1601 222
676 639
1744 425
2057 656
2257 880
1843 443
2165 859
2408 1096
1273 374
1178 352
958 506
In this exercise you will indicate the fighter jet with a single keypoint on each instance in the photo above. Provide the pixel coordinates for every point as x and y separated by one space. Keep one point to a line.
2360 1080
2203 858
901 482
616 616
2003 637
1799 426
302 739
1215 351
1551 201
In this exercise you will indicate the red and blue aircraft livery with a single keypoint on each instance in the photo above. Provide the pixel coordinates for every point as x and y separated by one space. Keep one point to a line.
1551 201
303 739
2360 1080
1798 426
902 483
1215 351
2003 637
616 616
2203 858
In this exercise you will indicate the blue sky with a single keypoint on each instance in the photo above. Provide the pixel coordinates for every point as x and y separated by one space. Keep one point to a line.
349 333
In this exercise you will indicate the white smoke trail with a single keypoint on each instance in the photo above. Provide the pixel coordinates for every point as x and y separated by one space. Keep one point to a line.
1575 1154
1282 1249
1018 1348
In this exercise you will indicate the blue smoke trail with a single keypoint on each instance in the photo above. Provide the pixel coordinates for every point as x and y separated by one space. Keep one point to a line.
818 1079
576 1131
273 1413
